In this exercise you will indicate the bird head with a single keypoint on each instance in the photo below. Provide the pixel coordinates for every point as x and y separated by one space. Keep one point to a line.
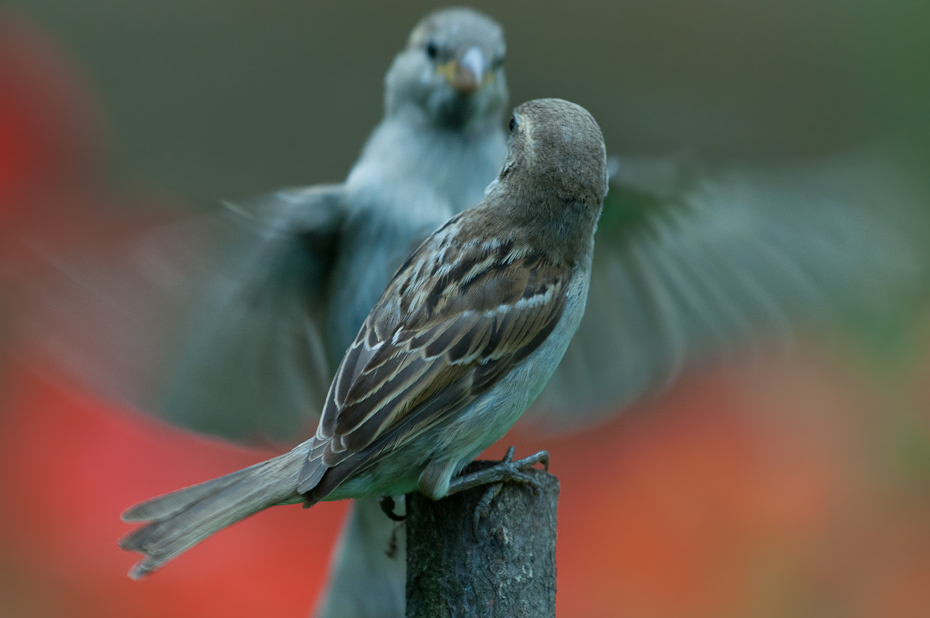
452 71
558 145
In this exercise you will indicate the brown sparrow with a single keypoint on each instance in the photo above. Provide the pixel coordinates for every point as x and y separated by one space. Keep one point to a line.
461 342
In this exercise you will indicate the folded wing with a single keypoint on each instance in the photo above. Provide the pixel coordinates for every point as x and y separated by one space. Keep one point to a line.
430 347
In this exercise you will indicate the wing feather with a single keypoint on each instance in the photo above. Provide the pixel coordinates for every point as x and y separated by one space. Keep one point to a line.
203 321
407 371
690 265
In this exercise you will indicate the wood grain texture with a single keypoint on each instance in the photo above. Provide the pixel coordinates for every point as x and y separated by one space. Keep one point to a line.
507 571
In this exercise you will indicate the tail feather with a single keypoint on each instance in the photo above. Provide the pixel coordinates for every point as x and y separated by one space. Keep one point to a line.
181 519
168 504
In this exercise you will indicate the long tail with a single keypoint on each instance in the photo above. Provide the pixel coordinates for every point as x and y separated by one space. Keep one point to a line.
183 518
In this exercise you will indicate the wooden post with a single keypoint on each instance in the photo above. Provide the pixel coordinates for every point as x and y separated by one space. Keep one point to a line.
507 570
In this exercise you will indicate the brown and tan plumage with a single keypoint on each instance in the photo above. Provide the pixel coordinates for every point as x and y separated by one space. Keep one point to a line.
453 330
460 343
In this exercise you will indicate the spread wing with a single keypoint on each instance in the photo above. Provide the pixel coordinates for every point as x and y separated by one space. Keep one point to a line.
453 322
688 265
204 321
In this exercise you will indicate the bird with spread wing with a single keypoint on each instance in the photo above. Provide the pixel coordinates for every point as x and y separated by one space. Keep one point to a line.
231 325
460 343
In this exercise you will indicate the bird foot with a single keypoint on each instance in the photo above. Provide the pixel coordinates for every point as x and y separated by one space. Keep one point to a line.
387 505
507 471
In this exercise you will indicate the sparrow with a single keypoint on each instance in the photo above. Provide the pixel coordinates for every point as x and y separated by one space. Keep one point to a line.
463 339
231 325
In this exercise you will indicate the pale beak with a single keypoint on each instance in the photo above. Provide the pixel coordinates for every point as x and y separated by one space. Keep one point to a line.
468 72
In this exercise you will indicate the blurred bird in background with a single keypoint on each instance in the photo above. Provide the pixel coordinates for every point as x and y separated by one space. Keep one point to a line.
231 326
464 338
228 341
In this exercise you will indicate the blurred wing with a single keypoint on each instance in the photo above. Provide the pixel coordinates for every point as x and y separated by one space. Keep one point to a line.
687 266
211 322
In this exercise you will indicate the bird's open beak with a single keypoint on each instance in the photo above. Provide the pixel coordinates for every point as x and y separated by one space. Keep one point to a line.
467 72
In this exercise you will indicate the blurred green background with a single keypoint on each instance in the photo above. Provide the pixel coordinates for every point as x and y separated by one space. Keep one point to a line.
221 98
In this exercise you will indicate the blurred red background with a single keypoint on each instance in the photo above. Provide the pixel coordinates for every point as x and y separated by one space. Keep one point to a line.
790 488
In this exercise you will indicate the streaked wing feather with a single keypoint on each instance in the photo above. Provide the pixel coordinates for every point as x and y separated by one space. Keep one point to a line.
407 371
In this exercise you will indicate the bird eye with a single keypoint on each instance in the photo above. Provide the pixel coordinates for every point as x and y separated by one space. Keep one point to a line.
498 63
513 123
431 50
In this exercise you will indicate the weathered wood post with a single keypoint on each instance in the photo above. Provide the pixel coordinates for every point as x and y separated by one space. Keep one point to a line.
505 568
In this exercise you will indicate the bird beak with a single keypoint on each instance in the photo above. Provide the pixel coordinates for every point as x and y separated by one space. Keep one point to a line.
468 72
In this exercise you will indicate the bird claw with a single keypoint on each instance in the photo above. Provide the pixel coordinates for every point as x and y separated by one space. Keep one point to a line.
387 506
484 506
507 471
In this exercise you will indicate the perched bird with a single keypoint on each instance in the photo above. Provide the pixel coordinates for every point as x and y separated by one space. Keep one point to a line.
228 338
461 342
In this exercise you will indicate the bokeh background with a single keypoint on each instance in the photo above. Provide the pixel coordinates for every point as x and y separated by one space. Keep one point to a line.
796 487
